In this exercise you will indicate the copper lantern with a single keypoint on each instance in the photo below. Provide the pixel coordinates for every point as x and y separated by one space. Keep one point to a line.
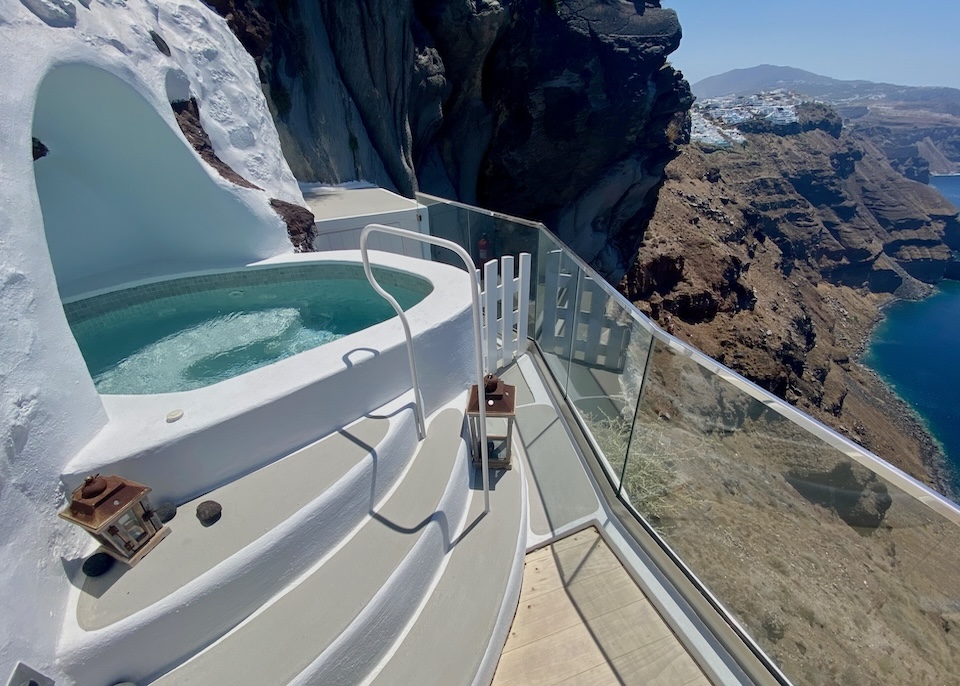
501 408
116 512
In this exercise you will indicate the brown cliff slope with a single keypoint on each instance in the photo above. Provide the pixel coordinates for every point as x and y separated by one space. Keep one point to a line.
775 258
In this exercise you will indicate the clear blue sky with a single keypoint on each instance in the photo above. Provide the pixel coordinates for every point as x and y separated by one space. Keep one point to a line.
908 42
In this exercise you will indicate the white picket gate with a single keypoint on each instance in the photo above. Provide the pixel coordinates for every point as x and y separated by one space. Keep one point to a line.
505 299
574 323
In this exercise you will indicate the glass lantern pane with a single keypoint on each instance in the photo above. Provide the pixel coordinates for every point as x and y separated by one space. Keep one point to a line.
132 526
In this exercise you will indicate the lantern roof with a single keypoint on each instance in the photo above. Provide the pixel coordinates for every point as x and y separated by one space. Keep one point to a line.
501 397
100 500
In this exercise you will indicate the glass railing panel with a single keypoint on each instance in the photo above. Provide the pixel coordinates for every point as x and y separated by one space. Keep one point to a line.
453 223
558 294
839 575
483 234
608 356
508 237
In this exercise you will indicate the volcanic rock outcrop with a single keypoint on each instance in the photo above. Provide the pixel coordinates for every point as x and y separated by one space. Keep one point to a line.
919 131
563 111
299 220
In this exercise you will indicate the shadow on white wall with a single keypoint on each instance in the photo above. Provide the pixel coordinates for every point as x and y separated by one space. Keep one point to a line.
124 196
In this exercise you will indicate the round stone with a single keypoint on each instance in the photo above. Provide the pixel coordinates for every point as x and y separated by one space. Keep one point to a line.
98 564
208 512
166 511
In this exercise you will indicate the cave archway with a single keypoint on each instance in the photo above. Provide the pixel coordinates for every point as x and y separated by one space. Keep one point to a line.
124 197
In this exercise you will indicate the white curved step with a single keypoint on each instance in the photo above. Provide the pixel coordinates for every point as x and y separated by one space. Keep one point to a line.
278 521
460 632
288 634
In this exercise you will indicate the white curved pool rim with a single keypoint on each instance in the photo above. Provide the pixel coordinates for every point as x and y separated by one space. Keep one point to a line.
232 427
185 333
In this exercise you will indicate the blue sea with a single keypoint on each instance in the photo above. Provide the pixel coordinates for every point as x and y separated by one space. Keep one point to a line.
916 349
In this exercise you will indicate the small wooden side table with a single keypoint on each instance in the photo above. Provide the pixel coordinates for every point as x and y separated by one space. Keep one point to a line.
501 404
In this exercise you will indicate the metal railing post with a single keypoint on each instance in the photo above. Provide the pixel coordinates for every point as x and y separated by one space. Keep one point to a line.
477 331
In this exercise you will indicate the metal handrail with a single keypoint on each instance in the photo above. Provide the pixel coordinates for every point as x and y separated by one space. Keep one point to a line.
477 331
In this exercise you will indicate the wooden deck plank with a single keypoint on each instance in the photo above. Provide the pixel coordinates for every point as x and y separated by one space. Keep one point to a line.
562 655
661 663
548 573
583 620
564 607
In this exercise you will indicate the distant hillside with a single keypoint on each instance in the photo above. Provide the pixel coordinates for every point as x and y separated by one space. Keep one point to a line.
766 77
917 127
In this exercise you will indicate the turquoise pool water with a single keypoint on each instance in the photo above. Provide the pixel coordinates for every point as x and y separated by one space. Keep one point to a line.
188 333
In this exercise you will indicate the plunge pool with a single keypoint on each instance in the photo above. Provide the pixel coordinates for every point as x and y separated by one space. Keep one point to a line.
187 333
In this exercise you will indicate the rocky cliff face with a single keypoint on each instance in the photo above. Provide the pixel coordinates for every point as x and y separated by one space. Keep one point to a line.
775 256
920 135
561 110
583 108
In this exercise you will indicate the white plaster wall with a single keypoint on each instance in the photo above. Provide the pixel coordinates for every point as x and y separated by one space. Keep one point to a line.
120 187
343 233
48 406
224 78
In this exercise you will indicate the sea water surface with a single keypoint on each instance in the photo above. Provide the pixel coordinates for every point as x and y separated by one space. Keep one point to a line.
916 349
